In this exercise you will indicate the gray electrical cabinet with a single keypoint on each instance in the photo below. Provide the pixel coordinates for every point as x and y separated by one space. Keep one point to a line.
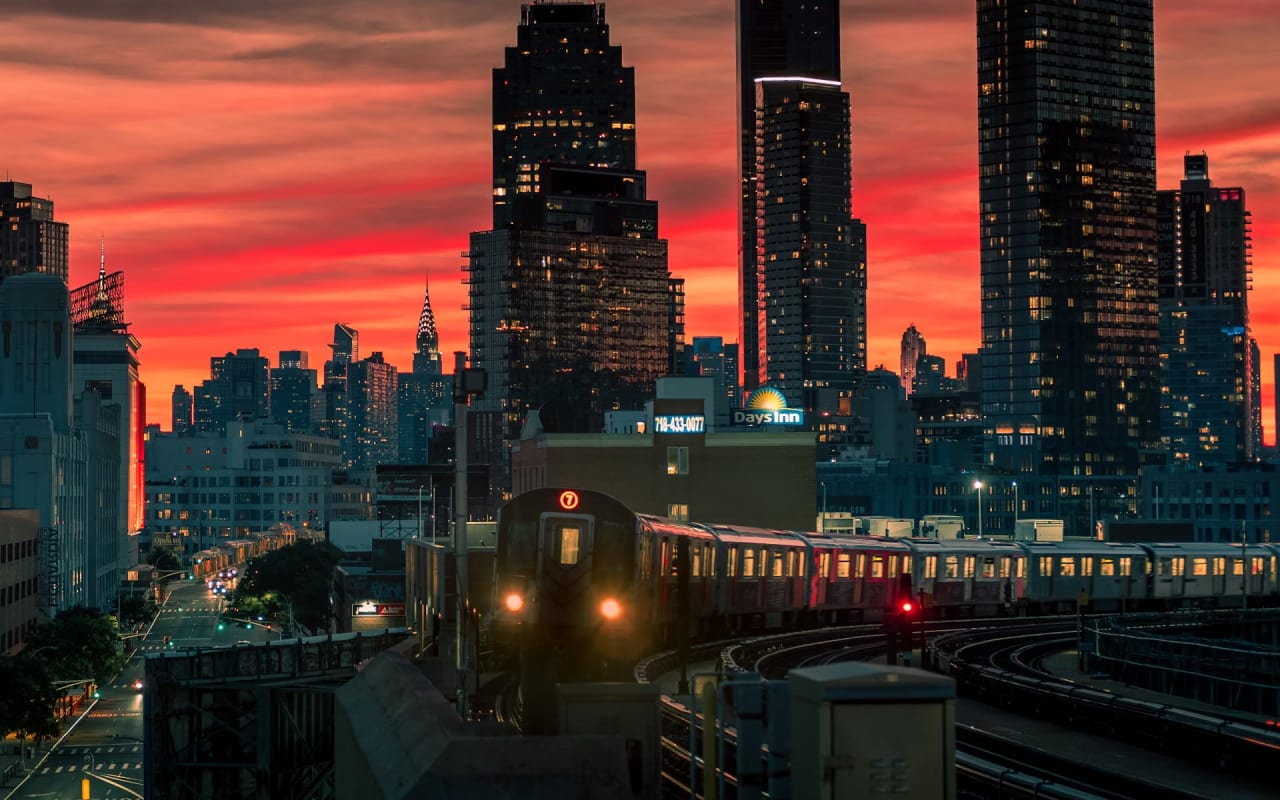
871 730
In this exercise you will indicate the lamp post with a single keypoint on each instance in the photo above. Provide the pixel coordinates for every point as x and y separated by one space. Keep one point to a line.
978 485
1016 506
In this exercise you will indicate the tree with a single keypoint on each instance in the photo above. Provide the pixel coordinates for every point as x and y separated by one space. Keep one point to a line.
83 643
135 608
302 574
29 699
163 559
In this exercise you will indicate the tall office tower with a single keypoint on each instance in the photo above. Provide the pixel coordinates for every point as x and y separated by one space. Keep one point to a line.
425 394
1066 144
183 414
570 297
372 436
30 239
333 400
105 360
1255 394
562 97
238 388
776 38
811 277
1206 368
712 358
293 389
913 346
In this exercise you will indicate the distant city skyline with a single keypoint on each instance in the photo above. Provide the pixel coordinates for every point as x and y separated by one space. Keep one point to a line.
252 168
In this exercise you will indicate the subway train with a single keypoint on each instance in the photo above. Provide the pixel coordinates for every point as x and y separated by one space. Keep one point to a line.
584 586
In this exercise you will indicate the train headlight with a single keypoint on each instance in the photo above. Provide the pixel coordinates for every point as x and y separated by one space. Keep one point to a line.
610 609
514 602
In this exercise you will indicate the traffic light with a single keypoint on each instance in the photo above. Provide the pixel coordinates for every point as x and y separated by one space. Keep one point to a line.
222 625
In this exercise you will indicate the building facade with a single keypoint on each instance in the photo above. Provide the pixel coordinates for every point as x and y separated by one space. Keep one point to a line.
1207 411
372 407
31 240
776 39
1066 129
293 390
237 389
19 573
570 297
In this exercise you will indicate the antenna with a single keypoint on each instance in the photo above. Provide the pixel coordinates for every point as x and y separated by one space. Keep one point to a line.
102 257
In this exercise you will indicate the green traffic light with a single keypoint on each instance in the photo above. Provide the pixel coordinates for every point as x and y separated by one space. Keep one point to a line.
222 626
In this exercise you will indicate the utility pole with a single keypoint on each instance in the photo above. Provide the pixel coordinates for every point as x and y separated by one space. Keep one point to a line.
466 382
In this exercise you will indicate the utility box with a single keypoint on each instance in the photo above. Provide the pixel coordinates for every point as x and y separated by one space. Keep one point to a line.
626 710
867 730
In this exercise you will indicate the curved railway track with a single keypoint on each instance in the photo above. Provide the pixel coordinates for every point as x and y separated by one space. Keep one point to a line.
987 765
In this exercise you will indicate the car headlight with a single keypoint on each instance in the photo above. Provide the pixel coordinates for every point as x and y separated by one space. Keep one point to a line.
514 602
610 609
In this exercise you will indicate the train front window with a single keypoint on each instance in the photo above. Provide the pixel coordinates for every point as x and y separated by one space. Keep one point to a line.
568 545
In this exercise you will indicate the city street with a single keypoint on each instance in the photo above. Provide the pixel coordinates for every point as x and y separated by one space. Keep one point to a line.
105 744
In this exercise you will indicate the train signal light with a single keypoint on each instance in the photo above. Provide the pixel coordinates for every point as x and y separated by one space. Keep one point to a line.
907 607
514 602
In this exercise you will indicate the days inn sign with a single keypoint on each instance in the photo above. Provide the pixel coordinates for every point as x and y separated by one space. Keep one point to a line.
767 406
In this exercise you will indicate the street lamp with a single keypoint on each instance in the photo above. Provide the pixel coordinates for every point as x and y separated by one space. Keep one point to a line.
978 485
1016 506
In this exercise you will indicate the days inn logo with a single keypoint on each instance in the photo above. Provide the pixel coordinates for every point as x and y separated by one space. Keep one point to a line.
767 406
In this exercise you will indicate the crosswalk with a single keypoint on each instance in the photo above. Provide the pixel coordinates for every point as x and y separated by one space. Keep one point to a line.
102 766
103 758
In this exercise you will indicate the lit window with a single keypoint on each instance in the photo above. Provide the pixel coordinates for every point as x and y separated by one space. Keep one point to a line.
677 461
569 545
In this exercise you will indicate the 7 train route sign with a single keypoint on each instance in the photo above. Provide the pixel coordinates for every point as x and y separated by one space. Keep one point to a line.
569 500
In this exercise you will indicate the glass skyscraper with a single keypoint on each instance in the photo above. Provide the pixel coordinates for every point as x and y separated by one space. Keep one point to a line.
30 239
776 39
571 303
804 256
1066 131
1207 411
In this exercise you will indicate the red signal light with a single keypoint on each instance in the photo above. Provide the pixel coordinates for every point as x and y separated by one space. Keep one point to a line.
907 607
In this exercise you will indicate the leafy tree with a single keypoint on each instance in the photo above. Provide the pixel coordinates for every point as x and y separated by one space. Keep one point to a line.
29 698
135 608
82 643
163 559
298 576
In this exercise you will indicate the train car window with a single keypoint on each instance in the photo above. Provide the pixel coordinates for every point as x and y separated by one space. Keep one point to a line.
568 549
1067 566
893 567
988 567
1022 567
1199 567
748 562
1179 566
665 567
951 567
860 566
709 560
762 565
1126 566
931 566
969 566
1046 566
824 565
1219 566
1086 566
801 564
791 564
1255 565
1004 566
1237 566
777 571
906 565
695 562
733 561
877 566
1107 567
842 565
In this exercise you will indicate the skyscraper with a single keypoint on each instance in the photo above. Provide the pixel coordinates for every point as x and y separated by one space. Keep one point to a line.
237 389
562 97
30 239
293 389
183 411
371 413
1066 132
913 346
804 268
425 394
1207 409
570 296
776 38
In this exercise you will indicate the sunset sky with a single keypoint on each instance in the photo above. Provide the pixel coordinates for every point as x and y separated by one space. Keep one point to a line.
262 170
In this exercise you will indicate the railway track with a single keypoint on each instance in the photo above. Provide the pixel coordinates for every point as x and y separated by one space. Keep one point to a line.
987 766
